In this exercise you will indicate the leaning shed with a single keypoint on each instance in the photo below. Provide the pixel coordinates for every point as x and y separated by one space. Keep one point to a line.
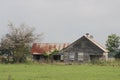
84 49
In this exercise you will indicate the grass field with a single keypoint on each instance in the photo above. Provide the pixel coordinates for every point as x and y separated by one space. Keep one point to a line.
58 72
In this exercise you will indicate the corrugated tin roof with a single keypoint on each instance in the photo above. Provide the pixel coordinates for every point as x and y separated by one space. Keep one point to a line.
40 48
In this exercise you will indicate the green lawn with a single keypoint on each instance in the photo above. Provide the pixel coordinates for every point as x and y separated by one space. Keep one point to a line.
58 72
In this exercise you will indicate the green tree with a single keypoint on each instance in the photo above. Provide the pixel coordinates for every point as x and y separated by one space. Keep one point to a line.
52 54
49 56
113 43
19 40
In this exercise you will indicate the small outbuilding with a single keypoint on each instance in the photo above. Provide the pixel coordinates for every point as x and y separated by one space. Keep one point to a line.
39 50
84 49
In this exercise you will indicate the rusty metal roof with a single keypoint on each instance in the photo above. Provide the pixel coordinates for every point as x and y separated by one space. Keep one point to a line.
41 48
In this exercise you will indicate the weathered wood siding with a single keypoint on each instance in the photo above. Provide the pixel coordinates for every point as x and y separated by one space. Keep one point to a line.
83 50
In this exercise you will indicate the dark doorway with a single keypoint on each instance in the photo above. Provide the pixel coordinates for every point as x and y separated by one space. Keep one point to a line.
56 57
94 57
36 57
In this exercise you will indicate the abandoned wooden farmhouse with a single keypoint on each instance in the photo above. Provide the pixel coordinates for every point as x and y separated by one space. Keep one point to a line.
85 49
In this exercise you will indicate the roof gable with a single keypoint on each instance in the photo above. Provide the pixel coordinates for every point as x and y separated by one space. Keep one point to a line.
80 41
96 43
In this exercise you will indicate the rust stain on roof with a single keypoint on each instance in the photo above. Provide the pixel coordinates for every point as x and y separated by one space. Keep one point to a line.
41 48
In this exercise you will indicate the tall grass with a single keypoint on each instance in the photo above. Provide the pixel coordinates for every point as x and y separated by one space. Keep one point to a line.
107 63
58 72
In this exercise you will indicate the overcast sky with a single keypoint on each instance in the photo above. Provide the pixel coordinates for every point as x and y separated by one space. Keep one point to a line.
63 20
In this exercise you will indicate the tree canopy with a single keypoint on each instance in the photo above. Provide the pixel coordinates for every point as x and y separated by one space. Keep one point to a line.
18 40
112 44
